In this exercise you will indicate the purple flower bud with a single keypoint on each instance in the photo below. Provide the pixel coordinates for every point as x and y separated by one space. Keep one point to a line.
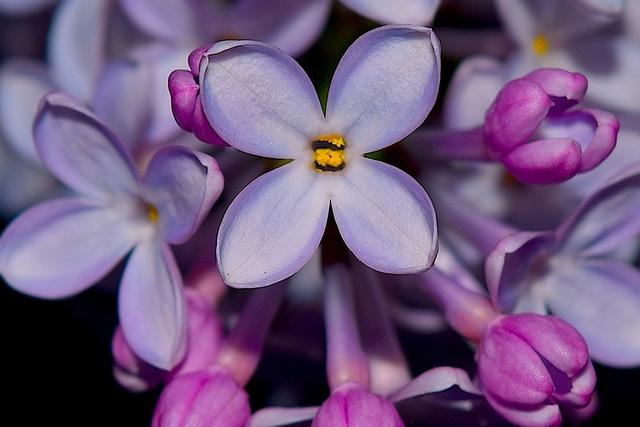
352 405
532 131
185 100
529 365
207 398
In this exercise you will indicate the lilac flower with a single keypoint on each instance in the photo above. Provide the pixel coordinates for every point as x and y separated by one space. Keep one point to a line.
260 101
529 366
59 248
576 271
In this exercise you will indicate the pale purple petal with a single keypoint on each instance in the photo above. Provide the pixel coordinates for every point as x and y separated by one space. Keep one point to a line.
22 84
18 7
435 380
272 417
62 247
520 18
151 305
173 20
473 88
508 269
273 227
291 25
77 45
416 12
183 185
259 100
385 217
122 99
384 87
547 161
605 220
601 298
81 151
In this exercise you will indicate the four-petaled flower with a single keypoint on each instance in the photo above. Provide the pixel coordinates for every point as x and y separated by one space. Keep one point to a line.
259 100
61 247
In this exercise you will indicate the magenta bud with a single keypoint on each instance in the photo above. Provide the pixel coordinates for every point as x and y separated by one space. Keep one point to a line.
532 131
206 398
530 365
350 405
187 109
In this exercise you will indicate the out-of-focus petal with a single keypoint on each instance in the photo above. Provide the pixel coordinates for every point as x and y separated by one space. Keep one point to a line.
62 247
473 88
273 227
18 7
23 83
605 220
122 99
183 185
272 417
508 267
601 298
22 183
612 74
81 151
259 100
174 20
436 380
547 161
416 12
384 87
291 25
385 217
520 18
151 305
77 45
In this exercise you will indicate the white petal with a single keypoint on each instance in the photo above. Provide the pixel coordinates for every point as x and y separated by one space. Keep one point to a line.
384 87
272 227
385 217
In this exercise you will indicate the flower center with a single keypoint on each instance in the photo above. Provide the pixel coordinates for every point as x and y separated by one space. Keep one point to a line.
328 153
152 213
540 45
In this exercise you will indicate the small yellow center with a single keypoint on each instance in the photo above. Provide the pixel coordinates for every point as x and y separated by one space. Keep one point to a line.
152 213
540 45
328 153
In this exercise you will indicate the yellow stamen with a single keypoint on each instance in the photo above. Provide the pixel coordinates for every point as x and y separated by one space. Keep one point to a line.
328 153
540 45
152 213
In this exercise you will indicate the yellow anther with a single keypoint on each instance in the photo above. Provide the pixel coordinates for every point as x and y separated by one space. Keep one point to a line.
328 153
152 213
540 45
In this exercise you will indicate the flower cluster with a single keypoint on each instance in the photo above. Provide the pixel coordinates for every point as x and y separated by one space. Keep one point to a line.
265 210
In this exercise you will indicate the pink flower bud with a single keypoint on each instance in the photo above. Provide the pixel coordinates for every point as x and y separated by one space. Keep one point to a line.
206 398
531 129
350 405
529 365
185 100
